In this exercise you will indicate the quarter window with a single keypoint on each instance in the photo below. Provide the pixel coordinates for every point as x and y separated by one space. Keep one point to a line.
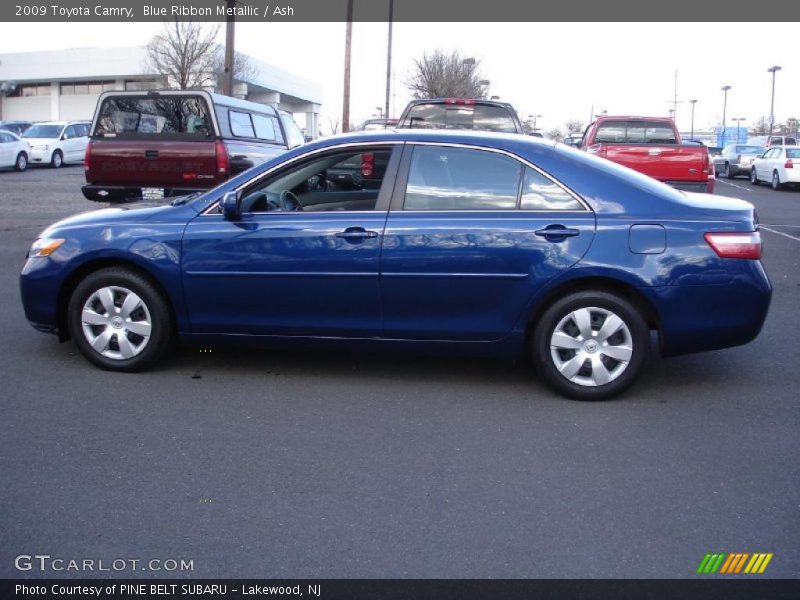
539 193
443 178
265 127
241 125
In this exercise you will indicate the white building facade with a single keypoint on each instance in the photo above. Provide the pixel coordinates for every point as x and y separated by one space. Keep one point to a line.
65 84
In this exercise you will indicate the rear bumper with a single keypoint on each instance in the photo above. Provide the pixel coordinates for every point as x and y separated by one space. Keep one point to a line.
124 193
705 186
696 318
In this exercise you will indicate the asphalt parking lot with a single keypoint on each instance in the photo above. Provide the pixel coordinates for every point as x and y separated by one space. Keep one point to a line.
292 464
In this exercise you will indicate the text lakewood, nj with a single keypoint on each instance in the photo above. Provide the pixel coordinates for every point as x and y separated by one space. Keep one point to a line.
175 10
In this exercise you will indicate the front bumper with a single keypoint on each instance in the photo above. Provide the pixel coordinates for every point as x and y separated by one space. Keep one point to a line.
39 155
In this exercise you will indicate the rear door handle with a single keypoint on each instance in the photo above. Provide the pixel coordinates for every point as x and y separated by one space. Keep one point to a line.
556 233
356 234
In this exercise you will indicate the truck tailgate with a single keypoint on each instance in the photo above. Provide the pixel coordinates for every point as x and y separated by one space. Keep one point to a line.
143 163
666 162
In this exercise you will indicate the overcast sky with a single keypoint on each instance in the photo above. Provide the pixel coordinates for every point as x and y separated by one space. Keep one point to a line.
557 70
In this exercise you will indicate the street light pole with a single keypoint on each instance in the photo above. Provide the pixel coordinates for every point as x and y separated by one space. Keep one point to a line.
389 59
772 70
347 45
227 79
693 102
724 109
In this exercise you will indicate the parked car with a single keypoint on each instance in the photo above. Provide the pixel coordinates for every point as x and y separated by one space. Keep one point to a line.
460 113
652 145
56 143
773 140
574 140
14 151
156 144
779 165
17 127
373 124
479 243
736 159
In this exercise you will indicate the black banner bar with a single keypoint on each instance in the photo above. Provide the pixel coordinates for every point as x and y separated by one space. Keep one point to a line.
405 589
404 11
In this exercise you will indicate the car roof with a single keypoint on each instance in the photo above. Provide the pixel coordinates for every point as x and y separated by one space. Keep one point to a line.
443 136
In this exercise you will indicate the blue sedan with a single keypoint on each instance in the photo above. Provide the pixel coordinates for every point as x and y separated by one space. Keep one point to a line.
489 244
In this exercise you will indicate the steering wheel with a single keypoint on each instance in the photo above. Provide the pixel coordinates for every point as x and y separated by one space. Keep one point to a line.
290 202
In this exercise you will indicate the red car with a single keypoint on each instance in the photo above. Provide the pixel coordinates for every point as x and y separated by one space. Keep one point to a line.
653 146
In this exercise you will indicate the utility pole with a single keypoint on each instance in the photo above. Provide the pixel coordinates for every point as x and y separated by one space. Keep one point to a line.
347 44
693 102
389 60
772 70
227 79
675 98
724 109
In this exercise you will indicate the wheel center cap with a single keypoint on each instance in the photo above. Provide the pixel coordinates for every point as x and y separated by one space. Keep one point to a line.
590 346
117 322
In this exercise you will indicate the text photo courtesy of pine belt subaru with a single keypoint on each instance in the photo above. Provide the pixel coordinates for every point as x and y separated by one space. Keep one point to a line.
167 143
57 143
483 243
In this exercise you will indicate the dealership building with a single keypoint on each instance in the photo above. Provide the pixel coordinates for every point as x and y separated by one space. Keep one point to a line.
65 84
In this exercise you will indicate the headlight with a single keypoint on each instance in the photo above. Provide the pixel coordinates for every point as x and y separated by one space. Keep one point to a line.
44 247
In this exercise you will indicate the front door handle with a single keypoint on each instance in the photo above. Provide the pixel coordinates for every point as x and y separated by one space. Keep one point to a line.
356 234
557 233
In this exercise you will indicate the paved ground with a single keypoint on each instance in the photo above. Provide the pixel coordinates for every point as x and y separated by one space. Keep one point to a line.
268 464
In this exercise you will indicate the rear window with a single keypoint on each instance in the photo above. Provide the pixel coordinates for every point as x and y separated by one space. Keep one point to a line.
793 153
169 116
749 149
482 117
43 131
634 132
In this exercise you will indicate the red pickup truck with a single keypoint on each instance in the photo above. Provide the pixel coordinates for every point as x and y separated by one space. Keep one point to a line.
652 145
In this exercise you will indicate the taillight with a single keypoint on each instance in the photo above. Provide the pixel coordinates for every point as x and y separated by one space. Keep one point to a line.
708 166
87 157
461 101
223 162
367 164
736 245
788 164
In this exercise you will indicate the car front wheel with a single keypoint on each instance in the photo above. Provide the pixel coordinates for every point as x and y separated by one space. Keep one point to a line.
119 320
22 162
591 345
57 159
753 176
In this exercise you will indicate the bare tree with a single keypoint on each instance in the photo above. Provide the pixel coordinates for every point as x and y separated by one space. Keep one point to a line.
333 125
187 55
441 75
574 126
761 126
553 134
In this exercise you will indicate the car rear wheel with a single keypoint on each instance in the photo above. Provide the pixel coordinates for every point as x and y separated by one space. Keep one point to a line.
776 181
57 159
119 320
753 176
728 172
590 345
22 162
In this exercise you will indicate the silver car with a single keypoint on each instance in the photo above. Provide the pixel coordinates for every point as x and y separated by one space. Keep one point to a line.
736 159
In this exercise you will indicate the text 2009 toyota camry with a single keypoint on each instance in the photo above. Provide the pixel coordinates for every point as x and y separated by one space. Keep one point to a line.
483 243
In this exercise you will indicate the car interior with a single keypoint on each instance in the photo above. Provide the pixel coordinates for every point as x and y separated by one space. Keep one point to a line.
311 187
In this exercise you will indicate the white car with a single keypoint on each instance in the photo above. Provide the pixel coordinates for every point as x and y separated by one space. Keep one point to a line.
57 142
779 165
14 151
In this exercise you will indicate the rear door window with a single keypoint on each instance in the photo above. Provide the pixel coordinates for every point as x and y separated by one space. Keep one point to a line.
442 178
165 116
540 193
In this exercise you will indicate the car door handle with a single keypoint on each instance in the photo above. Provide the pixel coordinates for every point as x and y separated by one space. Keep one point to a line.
355 234
556 233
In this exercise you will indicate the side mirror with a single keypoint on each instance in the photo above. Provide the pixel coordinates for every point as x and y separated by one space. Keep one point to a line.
231 206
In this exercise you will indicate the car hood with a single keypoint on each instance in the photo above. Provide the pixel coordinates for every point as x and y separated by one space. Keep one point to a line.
141 212
40 140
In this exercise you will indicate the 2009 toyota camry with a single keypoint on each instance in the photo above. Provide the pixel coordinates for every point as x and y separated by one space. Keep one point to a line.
495 244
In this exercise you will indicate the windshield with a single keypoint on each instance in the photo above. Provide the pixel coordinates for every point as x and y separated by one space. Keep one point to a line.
635 132
749 149
460 116
43 131
174 116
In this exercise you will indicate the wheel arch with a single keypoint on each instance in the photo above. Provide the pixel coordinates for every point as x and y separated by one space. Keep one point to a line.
91 266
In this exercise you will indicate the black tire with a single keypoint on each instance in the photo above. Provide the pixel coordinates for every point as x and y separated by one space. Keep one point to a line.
57 160
156 305
776 181
753 177
639 343
22 162
729 173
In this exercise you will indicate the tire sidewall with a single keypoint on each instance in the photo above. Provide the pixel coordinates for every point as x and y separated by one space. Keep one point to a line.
57 164
24 156
543 361
776 182
156 305
753 177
